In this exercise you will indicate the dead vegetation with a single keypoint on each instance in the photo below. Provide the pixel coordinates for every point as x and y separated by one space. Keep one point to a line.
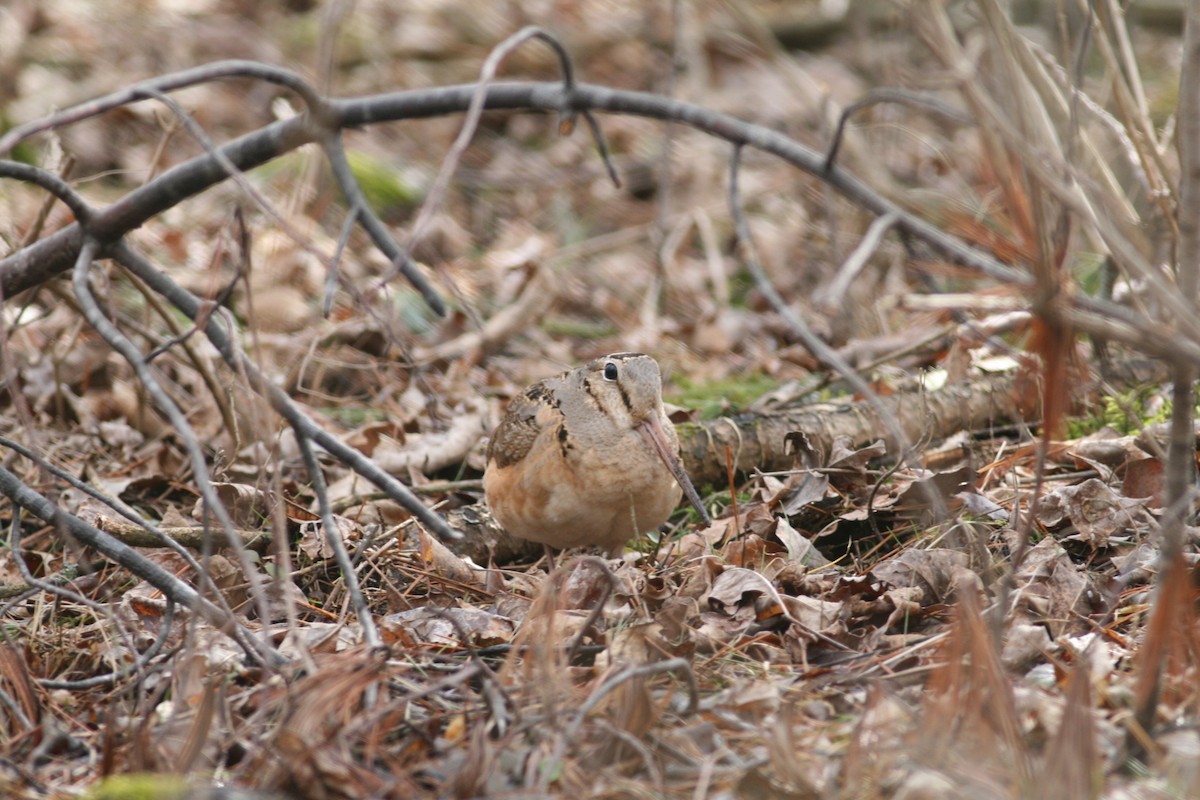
932 358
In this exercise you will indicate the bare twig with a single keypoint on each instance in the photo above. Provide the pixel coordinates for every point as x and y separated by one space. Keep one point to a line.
359 209
361 212
130 559
597 609
54 253
810 340
891 95
680 666
141 532
858 259
22 590
334 537
435 197
190 305
51 255
57 588
175 416
218 70
331 275
181 338
1103 211
1180 474
137 667
51 183
181 538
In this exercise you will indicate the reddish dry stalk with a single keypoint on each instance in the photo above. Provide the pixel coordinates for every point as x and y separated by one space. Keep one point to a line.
1072 769
970 700
1181 460
1169 648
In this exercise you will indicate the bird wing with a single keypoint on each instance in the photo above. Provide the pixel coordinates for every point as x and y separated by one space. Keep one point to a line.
528 414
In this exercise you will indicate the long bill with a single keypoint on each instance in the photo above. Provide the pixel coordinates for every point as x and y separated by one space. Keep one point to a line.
652 431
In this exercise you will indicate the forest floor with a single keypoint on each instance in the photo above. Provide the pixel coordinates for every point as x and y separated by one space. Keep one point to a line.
848 626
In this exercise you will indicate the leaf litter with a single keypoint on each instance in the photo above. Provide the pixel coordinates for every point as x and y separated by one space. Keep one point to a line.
826 636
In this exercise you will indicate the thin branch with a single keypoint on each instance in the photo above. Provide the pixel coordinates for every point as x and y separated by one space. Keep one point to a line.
331 276
677 665
171 586
56 588
239 177
155 536
1181 457
815 345
891 95
333 536
22 590
217 70
138 666
361 211
51 183
182 339
437 192
610 586
1047 168
602 147
55 253
858 259
1180 477
183 429
191 305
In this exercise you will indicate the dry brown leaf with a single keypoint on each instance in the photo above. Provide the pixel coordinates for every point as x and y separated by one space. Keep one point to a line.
429 452
447 626
1097 513
933 571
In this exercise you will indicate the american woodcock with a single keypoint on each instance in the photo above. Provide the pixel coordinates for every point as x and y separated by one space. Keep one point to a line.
588 458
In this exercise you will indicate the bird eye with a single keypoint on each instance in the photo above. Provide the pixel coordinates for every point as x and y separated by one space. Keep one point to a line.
610 371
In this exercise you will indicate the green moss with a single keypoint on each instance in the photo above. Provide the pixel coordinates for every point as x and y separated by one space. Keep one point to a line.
413 312
740 285
1128 413
138 786
1080 427
1087 270
26 152
579 328
386 189
355 416
1163 94
389 191
718 398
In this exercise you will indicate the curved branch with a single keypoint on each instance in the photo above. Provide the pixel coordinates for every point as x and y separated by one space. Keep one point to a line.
135 562
191 305
191 444
140 662
51 183
361 211
334 537
815 345
55 253
154 535
218 70
890 95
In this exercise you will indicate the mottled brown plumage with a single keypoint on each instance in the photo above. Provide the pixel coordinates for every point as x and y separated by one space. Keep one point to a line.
587 458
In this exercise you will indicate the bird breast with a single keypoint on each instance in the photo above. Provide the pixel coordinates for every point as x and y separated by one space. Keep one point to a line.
570 493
